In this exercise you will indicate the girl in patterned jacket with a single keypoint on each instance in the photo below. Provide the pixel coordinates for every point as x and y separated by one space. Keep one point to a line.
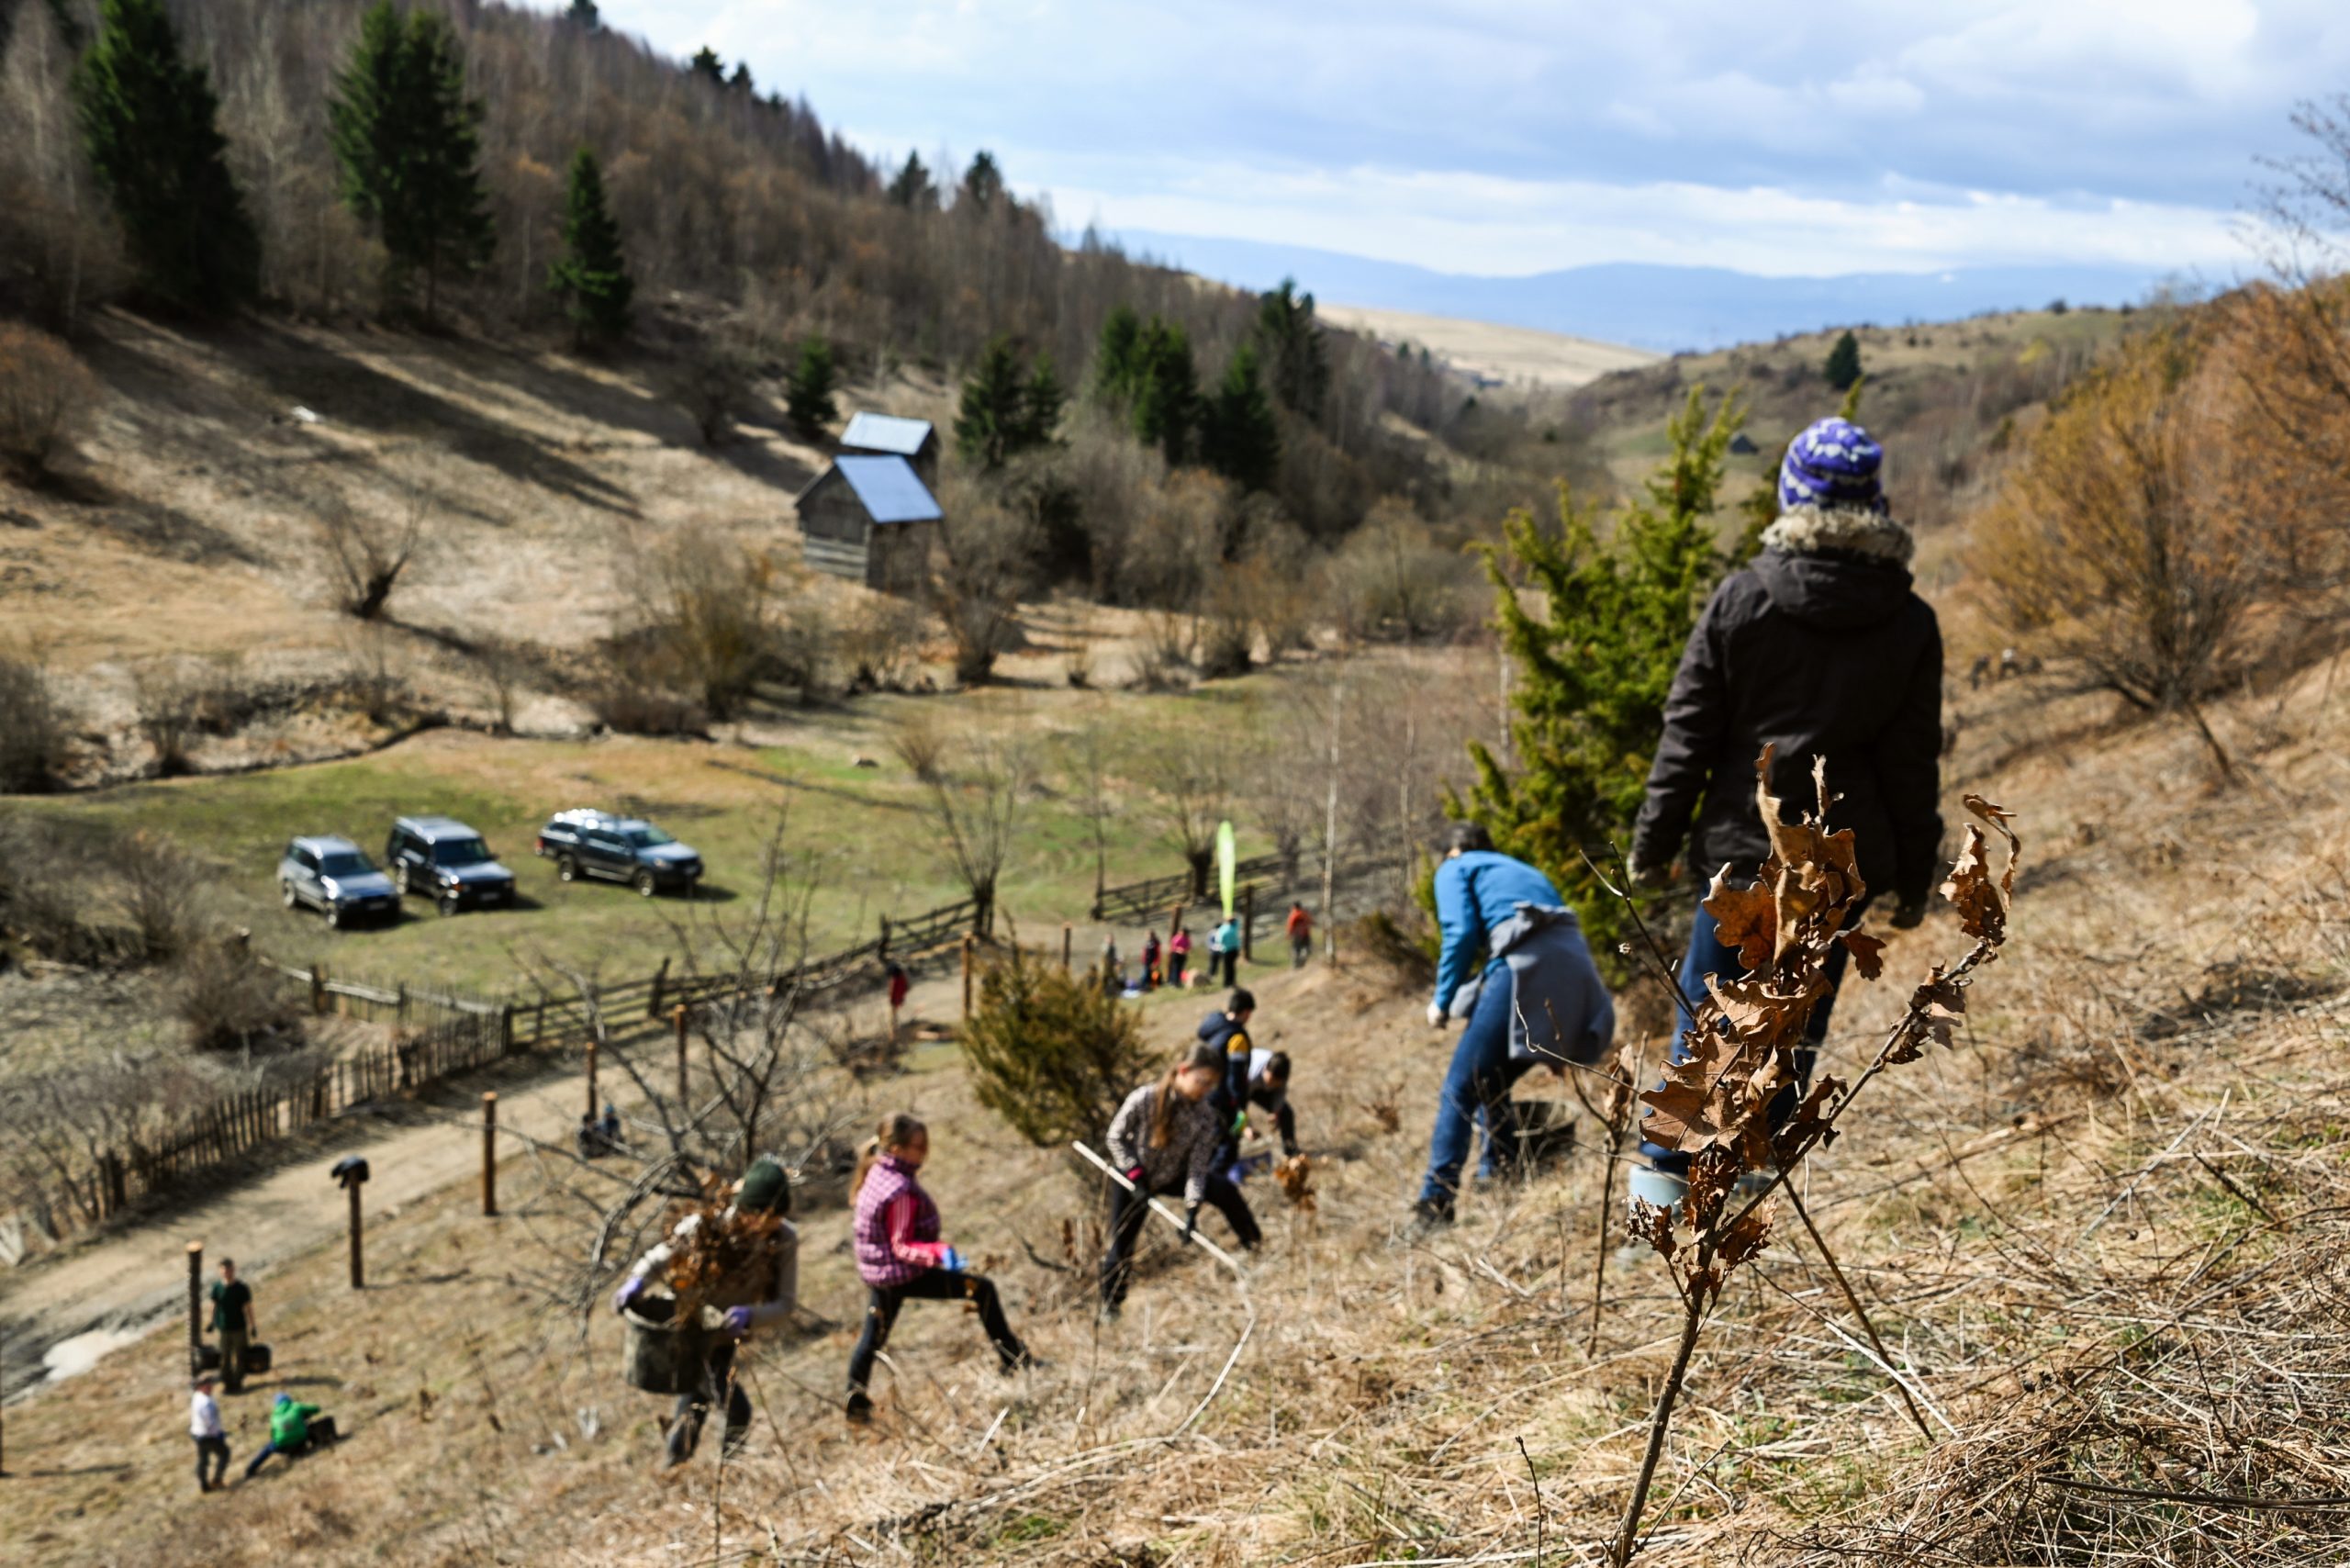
1165 1138
899 1256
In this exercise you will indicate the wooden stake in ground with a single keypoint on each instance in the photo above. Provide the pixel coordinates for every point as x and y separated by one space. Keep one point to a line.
352 1172
1249 922
685 1096
970 945
489 1152
1068 939
591 1080
195 1307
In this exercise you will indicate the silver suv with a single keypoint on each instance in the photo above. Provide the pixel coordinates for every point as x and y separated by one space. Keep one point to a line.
442 859
334 875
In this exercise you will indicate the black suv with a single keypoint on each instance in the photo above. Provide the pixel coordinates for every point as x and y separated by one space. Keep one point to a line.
442 859
623 849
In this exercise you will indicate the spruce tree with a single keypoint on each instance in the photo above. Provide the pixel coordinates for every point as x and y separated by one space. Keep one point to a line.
1115 376
152 125
741 80
1044 398
1238 437
583 13
994 412
913 187
592 279
1300 370
409 143
982 182
1843 367
807 390
1596 650
1166 392
706 63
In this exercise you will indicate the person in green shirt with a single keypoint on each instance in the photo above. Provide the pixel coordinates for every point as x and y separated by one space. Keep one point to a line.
232 1319
294 1429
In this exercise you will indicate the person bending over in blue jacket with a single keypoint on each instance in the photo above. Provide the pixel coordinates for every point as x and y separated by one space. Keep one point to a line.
1515 965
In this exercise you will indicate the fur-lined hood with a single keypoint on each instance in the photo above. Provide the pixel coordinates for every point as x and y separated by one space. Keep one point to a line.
1852 530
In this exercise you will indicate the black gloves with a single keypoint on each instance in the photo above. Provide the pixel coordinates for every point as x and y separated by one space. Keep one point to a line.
1190 1221
1911 914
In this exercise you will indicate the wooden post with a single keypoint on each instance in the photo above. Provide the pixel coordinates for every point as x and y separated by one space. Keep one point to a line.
489 1152
685 1079
660 983
1067 938
506 1030
1249 922
358 1271
318 989
969 943
591 1077
3 1418
883 951
194 1307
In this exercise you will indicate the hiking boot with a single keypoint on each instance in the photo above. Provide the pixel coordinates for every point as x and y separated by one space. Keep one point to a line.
859 1409
1428 1216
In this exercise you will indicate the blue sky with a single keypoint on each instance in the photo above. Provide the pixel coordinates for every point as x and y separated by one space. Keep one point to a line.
1491 136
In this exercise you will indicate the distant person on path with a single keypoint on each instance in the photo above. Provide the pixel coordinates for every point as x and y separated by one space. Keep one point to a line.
232 1319
1151 961
1300 926
211 1438
1539 998
295 1429
761 1288
1821 648
1165 1138
1178 957
1224 954
900 1258
900 983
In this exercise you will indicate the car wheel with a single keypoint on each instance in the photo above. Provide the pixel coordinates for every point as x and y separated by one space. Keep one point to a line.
646 885
448 903
567 870
407 885
334 915
285 890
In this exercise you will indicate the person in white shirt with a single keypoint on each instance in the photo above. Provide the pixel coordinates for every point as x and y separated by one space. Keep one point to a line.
211 1439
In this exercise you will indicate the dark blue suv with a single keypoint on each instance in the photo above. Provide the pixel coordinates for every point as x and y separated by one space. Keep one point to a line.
442 859
588 842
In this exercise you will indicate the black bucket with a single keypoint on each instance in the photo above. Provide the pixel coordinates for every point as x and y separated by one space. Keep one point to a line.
664 1355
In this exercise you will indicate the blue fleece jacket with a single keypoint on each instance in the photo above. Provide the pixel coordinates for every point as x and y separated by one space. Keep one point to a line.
1475 891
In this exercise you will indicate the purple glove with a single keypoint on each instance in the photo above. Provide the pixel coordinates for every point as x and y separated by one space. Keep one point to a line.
737 1321
630 1290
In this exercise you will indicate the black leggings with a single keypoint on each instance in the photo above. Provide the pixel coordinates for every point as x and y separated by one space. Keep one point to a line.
1128 1211
719 1385
932 1284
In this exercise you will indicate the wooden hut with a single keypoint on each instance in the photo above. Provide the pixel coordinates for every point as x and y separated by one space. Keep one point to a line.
871 519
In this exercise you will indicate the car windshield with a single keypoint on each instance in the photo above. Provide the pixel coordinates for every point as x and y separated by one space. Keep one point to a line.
460 852
648 837
344 863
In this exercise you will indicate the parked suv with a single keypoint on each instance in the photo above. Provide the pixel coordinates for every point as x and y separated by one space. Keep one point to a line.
442 859
334 875
586 843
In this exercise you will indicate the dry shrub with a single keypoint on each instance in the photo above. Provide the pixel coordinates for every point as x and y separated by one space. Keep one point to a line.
229 1003
365 555
161 893
713 384
918 742
46 399
1169 651
709 620
986 563
1391 579
623 704
1052 1053
32 727
879 643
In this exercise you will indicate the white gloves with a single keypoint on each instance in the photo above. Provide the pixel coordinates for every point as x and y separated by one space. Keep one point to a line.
1436 1017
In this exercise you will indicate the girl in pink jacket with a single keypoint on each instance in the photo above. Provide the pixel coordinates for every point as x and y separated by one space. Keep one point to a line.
899 1256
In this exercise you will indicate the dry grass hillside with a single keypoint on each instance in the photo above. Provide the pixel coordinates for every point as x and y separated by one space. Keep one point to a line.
2097 1238
186 537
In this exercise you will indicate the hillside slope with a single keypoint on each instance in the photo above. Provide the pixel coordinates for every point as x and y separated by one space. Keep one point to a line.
2103 1209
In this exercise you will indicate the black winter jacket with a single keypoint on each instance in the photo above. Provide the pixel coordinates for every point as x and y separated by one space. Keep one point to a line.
1823 654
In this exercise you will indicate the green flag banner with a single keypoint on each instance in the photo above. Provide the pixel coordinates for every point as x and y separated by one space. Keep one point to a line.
1225 860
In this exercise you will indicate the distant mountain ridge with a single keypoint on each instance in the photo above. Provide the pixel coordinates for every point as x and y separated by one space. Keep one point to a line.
1666 308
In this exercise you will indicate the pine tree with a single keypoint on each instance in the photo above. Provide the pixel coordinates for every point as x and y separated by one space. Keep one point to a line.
1115 376
913 187
1843 367
592 277
1045 398
1166 392
808 391
583 13
982 182
741 80
1594 668
1238 437
994 413
1300 370
152 125
409 143
706 63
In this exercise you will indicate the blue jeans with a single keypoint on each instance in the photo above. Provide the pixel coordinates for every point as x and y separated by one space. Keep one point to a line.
1709 955
1476 1089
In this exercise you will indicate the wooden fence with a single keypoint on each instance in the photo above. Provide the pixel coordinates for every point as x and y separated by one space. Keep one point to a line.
1136 902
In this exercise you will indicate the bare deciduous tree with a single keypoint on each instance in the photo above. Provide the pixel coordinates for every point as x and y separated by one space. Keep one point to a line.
977 796
365 555
1190 774
46 399
986 556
